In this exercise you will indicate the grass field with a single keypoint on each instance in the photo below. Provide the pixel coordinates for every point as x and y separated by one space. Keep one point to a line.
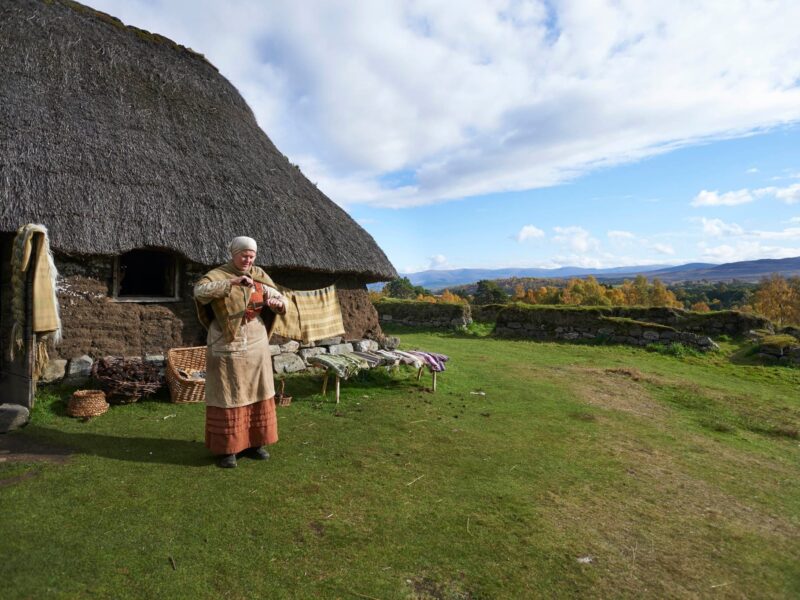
536 470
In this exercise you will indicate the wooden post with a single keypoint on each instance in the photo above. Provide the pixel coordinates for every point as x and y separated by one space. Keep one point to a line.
337 389
325 384
434 381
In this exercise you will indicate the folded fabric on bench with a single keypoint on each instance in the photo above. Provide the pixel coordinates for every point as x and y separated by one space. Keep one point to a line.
371 358
342 365
390 358
433 360
407 358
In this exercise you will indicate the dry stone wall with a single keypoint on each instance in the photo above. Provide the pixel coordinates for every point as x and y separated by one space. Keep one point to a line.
624 325
411 313
290 357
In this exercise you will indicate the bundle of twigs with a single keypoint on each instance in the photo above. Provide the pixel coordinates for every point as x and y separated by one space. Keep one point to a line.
125 380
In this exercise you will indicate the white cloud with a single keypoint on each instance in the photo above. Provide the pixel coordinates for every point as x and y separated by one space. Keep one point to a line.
752 170
717 227
576 238
529 232
706 198
620 235
789 194
794 220
791 233
493 96
664 249
438 261
745 250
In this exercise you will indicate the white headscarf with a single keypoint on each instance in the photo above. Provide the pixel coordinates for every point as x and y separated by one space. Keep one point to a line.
242 243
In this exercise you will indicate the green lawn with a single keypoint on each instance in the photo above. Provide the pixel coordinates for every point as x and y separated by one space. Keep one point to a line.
584 471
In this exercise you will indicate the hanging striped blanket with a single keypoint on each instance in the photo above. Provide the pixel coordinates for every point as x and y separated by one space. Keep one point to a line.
433 360
311 315
343 365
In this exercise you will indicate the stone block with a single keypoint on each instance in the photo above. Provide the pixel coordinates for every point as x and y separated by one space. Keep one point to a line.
306 353
79 369
291 346
54 371
157 359
274 349
340 348
572 335
330 341
390 342
287 363
13 416
650 335
365 345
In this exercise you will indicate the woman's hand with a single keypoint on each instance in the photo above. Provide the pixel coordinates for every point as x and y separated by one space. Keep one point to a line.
276 304
243 281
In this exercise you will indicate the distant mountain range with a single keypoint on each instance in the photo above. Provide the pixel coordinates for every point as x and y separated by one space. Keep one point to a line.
750 270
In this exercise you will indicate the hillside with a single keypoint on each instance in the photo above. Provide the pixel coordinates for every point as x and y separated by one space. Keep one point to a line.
746 271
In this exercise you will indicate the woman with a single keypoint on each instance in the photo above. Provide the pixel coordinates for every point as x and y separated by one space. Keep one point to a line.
240 403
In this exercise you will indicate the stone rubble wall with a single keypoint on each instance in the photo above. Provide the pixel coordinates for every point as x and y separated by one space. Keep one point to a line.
624 325
290 357
412 313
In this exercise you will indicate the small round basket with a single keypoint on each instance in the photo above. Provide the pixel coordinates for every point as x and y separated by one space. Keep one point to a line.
87 403
281 398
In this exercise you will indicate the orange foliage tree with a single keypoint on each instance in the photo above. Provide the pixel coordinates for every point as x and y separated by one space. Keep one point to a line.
778 299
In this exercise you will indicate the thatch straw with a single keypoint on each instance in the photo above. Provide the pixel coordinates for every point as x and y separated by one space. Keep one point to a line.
116 139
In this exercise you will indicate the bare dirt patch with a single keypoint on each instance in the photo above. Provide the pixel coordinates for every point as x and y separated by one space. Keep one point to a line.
616 389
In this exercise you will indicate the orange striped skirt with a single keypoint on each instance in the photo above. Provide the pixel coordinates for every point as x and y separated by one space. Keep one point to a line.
231 430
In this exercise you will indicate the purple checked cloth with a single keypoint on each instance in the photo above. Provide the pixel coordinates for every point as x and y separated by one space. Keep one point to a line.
433 360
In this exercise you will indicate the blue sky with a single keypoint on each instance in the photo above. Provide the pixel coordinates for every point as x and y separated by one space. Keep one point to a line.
525 132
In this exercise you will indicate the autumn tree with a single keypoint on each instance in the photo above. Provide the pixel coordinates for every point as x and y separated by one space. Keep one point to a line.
448 296
778 299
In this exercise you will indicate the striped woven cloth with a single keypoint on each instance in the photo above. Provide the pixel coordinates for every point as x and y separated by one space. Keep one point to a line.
372 359
311 315
433 360
389 357
407 358
343 365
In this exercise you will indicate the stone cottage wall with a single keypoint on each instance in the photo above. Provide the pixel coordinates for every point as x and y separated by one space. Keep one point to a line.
96 325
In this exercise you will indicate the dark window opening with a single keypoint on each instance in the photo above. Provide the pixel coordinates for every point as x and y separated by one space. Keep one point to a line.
150 274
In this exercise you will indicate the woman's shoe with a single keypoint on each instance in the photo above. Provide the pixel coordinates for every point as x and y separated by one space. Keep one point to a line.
258 453
228 461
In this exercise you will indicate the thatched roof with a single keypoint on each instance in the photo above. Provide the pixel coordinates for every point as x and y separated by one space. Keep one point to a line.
116 139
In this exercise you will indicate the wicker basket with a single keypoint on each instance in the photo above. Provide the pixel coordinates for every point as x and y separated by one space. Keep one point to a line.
182 389
281 399
87 403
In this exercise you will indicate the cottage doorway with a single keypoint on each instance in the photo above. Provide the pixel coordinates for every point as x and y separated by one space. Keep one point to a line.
16 376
